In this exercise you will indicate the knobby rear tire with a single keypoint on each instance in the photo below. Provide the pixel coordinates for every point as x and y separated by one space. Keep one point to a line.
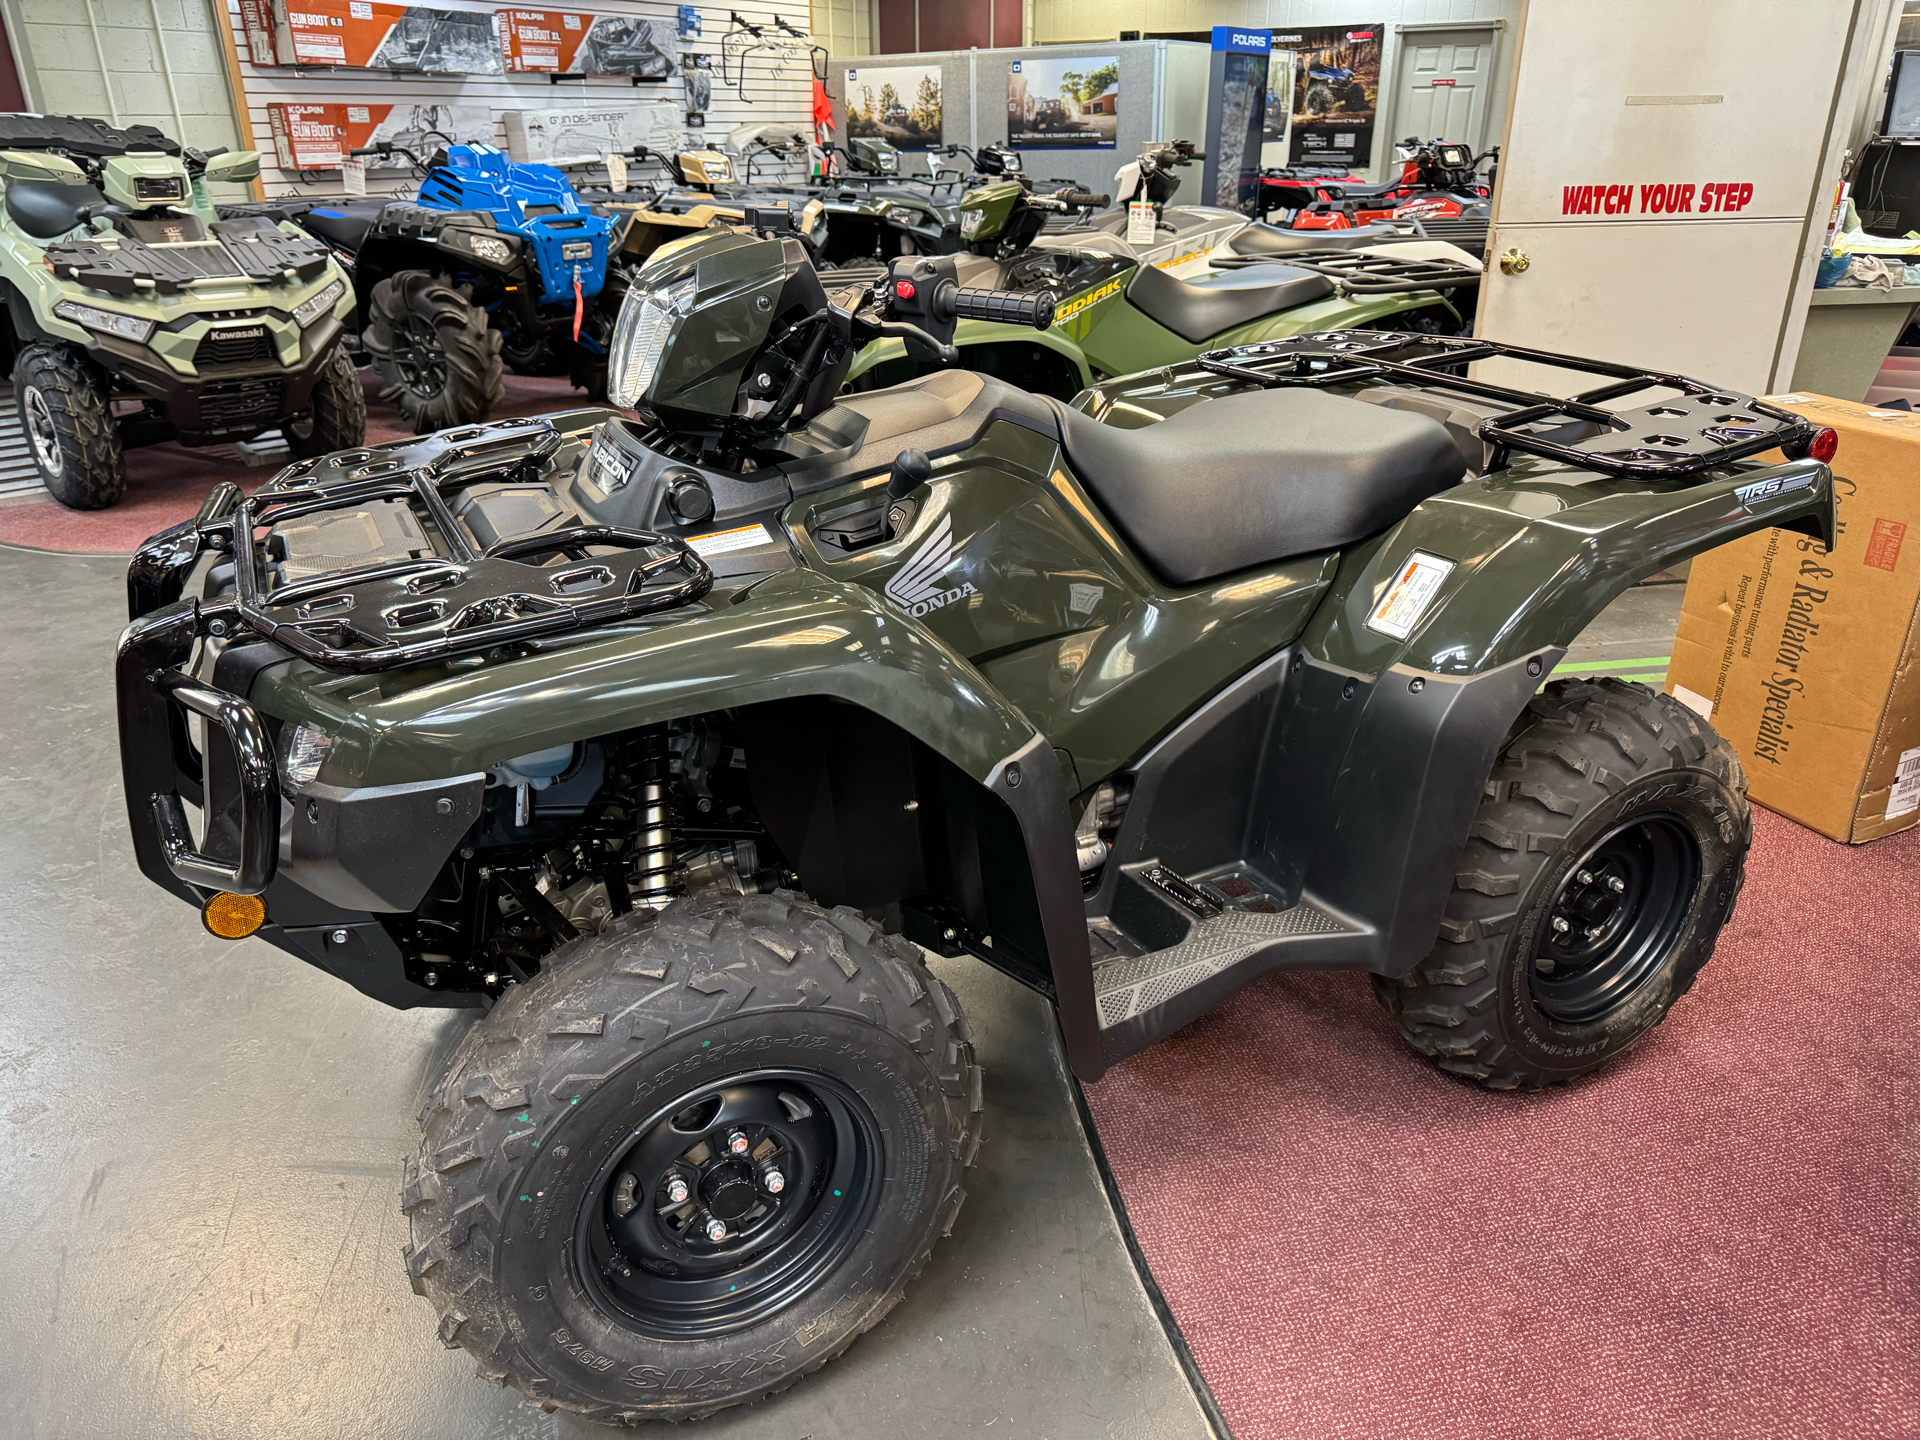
1585 757
472 378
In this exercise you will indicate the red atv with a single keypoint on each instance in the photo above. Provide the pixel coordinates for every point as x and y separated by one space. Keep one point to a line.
1440 186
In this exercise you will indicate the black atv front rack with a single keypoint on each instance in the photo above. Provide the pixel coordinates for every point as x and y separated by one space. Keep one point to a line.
459 600
1701 428
1359 273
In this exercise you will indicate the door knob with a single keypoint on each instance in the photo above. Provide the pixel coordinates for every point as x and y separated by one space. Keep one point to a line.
1514 261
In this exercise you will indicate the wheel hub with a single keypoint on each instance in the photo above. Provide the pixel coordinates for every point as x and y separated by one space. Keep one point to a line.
728 1204
1615 918
40 429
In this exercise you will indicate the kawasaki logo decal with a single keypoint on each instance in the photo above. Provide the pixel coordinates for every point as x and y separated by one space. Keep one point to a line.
916 587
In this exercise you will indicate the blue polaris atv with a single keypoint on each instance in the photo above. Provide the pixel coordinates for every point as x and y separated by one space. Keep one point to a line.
493 261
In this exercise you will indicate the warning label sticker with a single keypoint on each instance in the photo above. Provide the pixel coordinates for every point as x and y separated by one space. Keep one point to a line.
721 542
1406 599
1905 794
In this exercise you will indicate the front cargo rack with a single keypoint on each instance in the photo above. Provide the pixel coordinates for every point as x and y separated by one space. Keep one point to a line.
1700 428
461 599
1360 272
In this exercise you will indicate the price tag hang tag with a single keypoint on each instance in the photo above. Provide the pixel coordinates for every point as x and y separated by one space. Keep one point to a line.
353 176
616 172
1140 222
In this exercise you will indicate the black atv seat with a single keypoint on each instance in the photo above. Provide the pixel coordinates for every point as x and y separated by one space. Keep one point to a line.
1255 478
343 222
46 208
1196 310
1262 239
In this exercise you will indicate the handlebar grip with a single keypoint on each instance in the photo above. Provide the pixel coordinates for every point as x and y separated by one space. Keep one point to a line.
1006 307
1084 197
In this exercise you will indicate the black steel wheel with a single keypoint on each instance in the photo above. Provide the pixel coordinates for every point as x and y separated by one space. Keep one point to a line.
436 354
1606 856
729 1201
1614 919
694 1158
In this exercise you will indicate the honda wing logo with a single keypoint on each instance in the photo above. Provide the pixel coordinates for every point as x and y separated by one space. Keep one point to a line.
917 587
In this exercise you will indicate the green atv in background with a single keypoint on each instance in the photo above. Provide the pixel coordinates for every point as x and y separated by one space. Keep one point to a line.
134 315
667 740
1116 313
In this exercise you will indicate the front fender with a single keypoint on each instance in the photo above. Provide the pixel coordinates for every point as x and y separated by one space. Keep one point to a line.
970 333
796 633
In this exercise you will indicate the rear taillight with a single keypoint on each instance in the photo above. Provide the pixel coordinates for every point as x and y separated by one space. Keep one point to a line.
1824 445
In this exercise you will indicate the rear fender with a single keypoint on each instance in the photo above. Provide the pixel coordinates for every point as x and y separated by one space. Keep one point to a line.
795 635
1388 742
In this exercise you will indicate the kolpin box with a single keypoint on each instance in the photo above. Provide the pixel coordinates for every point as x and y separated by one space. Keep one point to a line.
374 35
572 42
1805 661
319 137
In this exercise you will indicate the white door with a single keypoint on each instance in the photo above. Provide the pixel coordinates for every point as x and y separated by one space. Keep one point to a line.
1659 179
1444 86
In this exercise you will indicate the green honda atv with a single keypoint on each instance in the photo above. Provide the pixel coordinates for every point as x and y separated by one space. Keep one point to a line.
135 315
1118 311
669 740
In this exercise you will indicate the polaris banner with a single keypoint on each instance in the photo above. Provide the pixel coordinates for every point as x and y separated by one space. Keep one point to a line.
1337 90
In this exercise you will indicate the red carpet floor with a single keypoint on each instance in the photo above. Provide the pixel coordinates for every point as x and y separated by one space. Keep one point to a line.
1716 1237
166 483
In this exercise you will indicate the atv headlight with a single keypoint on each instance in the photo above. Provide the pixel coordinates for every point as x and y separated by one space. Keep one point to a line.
640 335
301 755
489 247
315 306
106 322
901 215
971 221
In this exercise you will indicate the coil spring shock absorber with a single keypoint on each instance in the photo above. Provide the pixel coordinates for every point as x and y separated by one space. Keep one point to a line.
656 849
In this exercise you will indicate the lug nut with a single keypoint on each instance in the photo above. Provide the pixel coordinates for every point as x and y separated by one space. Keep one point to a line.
773 1181
1616 884
737 1142
1560 925
716 1230
677 1191
1586 878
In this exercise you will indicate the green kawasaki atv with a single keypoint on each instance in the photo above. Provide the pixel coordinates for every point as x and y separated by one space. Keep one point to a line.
667 741
134 315
1117 312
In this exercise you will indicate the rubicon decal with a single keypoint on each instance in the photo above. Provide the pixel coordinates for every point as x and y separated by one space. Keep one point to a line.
918 586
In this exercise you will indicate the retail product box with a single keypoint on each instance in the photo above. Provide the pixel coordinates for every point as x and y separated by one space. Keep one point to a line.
570 42
1806 661
319 137
588 132
373 35
257 20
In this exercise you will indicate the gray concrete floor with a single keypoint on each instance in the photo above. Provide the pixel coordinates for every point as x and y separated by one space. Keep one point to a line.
200 1148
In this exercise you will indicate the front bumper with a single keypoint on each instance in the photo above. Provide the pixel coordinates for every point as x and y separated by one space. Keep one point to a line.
219 401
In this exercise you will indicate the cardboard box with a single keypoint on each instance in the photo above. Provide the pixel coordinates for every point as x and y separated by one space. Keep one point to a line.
319 137
1806 662
374 35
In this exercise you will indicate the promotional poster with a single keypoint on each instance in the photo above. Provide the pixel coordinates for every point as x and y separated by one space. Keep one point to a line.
1337 87
896 103
1063 104
320 137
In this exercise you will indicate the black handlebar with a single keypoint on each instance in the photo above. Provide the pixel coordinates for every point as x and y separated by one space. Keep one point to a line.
1080 198
1003 307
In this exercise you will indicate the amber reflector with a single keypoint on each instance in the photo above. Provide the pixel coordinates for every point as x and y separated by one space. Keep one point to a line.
233 918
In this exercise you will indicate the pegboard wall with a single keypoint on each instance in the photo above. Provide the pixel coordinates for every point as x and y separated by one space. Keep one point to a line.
778 89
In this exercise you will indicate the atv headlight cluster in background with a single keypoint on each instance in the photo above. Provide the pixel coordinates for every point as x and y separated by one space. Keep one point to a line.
106 322
640 335
970 223
312 308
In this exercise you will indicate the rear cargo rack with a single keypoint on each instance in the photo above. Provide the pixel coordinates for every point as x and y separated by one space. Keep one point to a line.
1361 273
398 612
1700 428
